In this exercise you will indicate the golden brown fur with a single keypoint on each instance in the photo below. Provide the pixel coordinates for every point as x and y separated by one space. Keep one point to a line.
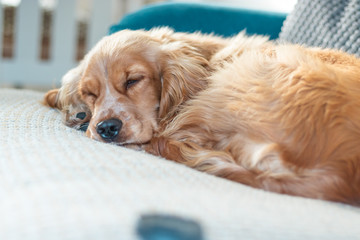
283 118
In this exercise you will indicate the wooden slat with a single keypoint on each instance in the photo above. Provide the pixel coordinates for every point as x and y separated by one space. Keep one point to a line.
64 36
27 28
2 81
99 22
1 31
27 32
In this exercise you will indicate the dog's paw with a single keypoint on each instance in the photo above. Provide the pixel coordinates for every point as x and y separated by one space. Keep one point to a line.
78 120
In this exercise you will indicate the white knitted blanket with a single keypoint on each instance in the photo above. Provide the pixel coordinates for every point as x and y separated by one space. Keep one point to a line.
324 23
57 184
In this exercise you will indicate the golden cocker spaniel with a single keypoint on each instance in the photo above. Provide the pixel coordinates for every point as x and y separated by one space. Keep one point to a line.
279 117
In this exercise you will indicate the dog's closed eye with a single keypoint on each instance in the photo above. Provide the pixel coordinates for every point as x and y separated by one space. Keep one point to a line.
130 83
132 80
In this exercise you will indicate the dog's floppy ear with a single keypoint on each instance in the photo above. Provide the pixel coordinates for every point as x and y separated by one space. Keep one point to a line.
67 99
68 93
51 99
183 73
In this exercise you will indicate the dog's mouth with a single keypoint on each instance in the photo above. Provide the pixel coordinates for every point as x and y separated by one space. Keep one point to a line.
135 134
111 131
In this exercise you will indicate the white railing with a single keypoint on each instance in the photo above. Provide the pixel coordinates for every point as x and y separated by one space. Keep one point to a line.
26 68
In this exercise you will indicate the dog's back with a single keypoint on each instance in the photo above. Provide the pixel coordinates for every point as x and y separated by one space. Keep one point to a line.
287 122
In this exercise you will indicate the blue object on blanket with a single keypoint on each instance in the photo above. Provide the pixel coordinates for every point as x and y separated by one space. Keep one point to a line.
166 227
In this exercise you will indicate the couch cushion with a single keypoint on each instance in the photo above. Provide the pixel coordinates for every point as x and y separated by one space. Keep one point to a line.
55 183
206 18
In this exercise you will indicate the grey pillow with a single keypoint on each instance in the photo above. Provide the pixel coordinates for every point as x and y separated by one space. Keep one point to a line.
324 23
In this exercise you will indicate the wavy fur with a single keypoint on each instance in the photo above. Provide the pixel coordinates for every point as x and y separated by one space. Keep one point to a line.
283 118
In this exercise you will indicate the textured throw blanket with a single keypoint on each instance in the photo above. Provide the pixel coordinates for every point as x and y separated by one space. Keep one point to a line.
57 184
325 23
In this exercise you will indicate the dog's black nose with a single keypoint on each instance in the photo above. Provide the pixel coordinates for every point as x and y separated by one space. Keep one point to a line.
109 129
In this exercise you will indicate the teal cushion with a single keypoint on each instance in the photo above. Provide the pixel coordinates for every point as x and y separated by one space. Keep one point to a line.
189 17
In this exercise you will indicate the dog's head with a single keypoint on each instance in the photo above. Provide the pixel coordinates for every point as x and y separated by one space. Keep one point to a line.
131 81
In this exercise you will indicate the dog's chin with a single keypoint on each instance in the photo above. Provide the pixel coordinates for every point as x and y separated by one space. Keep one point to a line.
139 138
129 143
138 142
135 145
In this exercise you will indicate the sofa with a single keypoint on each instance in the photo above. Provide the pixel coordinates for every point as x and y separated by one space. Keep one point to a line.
57 184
